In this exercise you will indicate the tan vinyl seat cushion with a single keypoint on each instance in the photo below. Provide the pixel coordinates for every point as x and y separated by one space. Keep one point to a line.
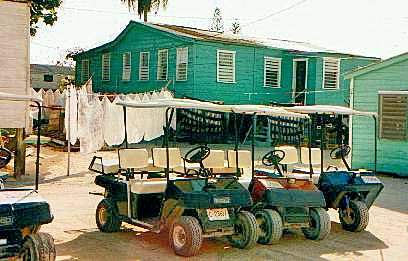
316 156
109 166
244 159
160 159
291 155
215 159
148 186
133 158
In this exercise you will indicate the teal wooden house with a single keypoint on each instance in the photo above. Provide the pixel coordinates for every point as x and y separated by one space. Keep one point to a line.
382 88
218 67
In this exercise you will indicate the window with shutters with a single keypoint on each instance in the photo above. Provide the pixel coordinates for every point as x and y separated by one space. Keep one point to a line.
272 72
84 70
182 62
162 65
393 116
331 72
126 66
105 67
144 66
225 66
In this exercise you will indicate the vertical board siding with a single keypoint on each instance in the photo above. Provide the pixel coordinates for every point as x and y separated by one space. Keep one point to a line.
392 155
14 61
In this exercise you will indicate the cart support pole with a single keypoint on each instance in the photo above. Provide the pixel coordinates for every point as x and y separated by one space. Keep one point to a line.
236 144
322 140
69 129
166 143
253 144
375 144
37 159
309 126
126 134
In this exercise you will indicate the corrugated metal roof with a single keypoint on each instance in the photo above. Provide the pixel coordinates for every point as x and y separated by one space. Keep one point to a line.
54 69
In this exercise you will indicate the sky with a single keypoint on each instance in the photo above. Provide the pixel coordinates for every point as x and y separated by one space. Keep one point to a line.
376 28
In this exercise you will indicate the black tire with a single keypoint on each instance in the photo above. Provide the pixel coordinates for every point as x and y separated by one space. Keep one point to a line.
246 233
358 218
320 224
270 227
38 247
106 218
186 236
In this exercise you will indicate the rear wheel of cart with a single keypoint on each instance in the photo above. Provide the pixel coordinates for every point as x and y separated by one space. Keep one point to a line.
270 226
355 218
245 229
38 247
320 224
186 236
106 218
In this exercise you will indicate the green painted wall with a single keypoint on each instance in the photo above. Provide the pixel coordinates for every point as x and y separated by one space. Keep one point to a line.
392 155
202 69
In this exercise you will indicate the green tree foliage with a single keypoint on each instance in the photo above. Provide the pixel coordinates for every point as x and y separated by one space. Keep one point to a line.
217 24
145 6
43 10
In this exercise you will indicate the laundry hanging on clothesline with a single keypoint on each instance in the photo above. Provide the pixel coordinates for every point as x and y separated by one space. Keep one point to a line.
100 120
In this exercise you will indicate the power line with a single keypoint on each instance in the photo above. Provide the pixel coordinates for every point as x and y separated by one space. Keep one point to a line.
276 13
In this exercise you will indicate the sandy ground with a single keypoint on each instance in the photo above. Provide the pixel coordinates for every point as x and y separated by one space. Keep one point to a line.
77 238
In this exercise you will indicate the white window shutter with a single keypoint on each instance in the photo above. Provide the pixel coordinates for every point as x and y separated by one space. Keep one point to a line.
144 66
84 70
331 73
226 66
126 66
105 67
162 65
393 117
272 72
181 64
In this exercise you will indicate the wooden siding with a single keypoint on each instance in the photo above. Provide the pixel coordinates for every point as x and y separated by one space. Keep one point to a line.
14 60
202 69
392 154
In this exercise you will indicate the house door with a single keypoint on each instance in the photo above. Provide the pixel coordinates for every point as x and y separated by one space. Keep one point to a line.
299 80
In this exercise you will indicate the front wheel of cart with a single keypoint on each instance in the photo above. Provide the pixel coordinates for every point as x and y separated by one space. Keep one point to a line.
245 231
38 247
320 224
270 226
355 218
106 218
186 236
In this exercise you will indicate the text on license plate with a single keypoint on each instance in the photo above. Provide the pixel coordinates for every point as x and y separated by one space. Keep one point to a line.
370 179
217 214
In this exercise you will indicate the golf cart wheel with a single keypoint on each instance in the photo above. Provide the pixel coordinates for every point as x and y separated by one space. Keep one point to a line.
38 247
106 218
245 227
270 226
357 218
186 236
320 224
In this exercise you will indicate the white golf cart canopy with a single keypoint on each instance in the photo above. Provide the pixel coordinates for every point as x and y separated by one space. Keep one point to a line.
194 104
328 109
18 97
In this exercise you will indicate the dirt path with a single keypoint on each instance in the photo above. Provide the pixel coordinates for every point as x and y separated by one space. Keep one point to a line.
77 237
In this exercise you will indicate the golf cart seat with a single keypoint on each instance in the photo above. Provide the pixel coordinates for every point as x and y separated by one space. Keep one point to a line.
304 172
291 155
215 160
133 159
148 186
160 158
244 159
104 166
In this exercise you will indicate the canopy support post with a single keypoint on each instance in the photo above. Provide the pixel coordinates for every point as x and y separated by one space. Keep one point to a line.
322 140
37 158
375 143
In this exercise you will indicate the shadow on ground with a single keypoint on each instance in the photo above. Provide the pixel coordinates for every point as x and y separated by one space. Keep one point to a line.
131 245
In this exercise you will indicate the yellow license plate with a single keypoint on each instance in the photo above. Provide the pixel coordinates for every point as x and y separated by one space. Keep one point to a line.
370 179
217 214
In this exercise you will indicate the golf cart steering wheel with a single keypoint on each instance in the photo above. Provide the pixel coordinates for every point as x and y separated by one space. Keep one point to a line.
197 154
340 152
273 158
5 157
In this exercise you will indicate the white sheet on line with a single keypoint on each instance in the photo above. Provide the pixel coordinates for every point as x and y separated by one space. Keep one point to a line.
154 120
113 122
71 115
91 123
134 122
168 95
